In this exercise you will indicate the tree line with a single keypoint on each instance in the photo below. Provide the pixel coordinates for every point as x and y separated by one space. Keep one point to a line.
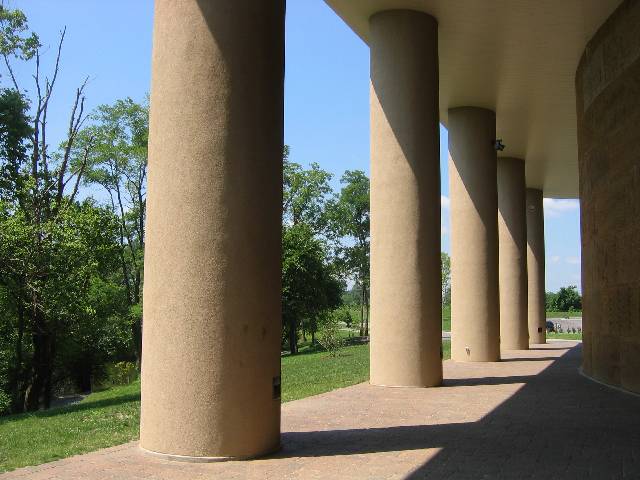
567 299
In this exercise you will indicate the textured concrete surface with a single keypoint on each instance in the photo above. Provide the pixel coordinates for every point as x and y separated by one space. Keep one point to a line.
608 104
531 416
475 299
405 201
212 319
536 310
512 236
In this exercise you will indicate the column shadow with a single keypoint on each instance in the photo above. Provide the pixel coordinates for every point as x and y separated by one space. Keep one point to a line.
558 425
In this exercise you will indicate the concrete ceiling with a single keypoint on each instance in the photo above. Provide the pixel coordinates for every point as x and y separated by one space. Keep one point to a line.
517 57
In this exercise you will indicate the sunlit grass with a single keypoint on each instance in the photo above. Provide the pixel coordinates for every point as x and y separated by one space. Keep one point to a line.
111 417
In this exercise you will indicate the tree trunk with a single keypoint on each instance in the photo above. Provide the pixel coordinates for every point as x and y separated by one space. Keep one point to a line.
362 313
366 321
136 334
17 383
293 337
39 392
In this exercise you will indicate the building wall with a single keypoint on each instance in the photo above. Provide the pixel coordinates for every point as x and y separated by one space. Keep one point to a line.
608 107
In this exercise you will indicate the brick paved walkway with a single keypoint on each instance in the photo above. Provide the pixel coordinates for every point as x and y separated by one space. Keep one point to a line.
530 416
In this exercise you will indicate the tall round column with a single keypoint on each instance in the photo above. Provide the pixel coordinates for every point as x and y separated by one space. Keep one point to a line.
406 324
535 267
212 322
512 233
475 311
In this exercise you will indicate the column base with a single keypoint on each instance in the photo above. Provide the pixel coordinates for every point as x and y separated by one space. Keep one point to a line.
193 459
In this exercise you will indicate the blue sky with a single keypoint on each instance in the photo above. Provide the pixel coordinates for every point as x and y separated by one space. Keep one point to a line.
326 92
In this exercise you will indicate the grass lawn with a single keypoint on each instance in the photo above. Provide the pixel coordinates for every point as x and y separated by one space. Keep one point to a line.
111 417
564 314
564 336
446 318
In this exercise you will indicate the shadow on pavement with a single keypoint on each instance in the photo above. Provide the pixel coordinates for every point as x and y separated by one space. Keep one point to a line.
558 425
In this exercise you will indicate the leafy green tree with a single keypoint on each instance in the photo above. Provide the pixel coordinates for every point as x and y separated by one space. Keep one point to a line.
348 215
116 159
305 194
568 299
309 287
16 41
446 278
52 247
551 301
54 263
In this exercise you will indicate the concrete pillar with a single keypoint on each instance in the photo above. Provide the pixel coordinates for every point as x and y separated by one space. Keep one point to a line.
212 320
475 311
406 323
512 233
535 267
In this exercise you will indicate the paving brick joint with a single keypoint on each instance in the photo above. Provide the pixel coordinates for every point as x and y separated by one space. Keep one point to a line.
530 416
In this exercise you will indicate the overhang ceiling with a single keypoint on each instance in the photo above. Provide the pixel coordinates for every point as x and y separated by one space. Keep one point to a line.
517 57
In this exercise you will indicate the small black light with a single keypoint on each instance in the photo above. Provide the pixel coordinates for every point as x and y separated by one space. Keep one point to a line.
498 145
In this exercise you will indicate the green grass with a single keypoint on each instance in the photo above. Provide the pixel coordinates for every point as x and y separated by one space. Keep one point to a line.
564 336
564 314
111 417
312 372
101 420
446 318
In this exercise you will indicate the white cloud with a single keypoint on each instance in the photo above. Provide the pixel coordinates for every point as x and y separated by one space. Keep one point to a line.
555 259
554 207
444 230
444 202
572 260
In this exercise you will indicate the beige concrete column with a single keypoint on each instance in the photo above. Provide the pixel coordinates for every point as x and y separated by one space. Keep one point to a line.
475 311
212 323
535 267
406 322
512 233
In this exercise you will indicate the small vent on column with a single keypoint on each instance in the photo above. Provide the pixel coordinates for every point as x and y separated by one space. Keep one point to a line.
539 329
468 350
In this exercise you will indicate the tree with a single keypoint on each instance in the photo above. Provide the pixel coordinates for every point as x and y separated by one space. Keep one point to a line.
305 197
305 194
551 301
568 299
445 261
52 247
309 287
49 267
348 214
116 145
16 41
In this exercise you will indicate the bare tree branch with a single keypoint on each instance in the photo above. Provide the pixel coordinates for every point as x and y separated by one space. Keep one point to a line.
13 78
75 123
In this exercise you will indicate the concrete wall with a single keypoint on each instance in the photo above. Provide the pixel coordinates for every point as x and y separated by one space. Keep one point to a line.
608 107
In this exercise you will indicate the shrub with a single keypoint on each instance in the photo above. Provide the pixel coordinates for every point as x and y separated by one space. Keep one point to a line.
329 336
5 403
121 373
